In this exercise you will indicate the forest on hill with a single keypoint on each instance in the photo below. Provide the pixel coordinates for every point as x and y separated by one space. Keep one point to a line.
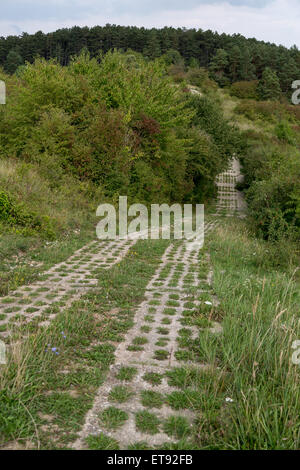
230 58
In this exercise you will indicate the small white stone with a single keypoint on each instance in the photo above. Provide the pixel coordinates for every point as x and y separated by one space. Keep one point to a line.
229 400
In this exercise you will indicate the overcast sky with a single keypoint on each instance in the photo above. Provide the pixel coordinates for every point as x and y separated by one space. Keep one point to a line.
270 20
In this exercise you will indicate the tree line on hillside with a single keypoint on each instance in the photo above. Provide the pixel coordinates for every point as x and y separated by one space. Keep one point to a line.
229 58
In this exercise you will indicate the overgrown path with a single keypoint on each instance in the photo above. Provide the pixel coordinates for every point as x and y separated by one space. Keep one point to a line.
145 402
150 393
65 282
137 381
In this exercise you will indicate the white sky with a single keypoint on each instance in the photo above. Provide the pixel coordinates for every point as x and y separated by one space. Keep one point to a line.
275 21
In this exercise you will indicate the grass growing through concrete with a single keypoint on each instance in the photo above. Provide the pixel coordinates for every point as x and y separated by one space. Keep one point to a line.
23 259
245 397
51 377
120 394
152 399
112 417
147 422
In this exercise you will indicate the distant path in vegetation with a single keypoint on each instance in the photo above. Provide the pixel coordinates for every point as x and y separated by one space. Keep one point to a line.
230 201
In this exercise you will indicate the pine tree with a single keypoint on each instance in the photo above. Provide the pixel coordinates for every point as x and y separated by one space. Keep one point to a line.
247 69
235 57
13 61
218 66
153 50
269 86
173 57
288 73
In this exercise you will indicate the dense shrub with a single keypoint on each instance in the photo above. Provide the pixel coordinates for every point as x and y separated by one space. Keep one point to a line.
265 110
284 132
209 117
274 208
268 111
199 77
16 214
272 181
245 90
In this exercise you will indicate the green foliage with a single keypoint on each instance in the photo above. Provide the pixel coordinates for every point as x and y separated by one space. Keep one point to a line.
284 132
269 85
231 58
107 126
245 89
213 142
172 57
272 175
13 61
218 67
16 214
269 111
114 124
200 77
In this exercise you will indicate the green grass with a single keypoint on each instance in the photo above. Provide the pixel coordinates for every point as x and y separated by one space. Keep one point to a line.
126 373
163 331
177 426
147 422
113 418
260 322
120 394
161 342
153 378
33 249
102 442
152 399
145 329
246 398
139 340
140 446
161 354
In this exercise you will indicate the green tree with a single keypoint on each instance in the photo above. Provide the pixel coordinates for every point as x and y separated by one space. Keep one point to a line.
13 61
288 73
247 68
269 86
173 57
152 49
218 66
235 57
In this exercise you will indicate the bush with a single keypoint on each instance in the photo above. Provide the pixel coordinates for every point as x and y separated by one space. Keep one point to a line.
265 110
209 117
272 175
12 213
284 132
245 90
199 77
